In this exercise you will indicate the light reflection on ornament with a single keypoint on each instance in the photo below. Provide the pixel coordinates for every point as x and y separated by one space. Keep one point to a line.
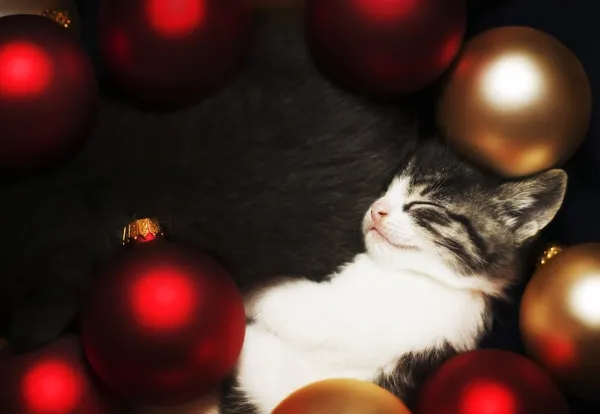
25 70
163 300
488 397
52 386
585 301
176 18
512 82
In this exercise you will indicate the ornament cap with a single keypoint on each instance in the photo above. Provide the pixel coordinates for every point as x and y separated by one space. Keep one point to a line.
141 231
59 16
549 253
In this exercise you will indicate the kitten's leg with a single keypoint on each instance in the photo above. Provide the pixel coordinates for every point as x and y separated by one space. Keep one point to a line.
412 370
233 400
297 310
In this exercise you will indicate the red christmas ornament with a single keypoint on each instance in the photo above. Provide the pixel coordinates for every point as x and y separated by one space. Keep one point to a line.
385 47
48 92
164 324
173 52
490 381
54 379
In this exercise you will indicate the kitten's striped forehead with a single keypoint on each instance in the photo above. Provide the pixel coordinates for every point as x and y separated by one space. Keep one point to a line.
407 188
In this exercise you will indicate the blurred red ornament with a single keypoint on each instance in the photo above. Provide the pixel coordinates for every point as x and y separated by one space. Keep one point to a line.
173 52
48 92
385 47
164 324
54 379
490 381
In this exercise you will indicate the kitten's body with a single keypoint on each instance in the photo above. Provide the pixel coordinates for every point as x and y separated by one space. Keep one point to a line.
440 243
366 323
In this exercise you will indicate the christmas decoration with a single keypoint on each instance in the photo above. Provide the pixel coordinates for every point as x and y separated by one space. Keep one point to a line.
164 324
517 102
141 231
490 381
549 253
54 379
385 47
168 53
560 319
63 12
48 92
341 396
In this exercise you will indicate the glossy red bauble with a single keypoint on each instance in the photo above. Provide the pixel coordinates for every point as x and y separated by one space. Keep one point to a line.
54 379
171 53
48 92
490 381
163 324
385 47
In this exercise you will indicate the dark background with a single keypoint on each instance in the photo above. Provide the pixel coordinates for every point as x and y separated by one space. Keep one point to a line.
577 24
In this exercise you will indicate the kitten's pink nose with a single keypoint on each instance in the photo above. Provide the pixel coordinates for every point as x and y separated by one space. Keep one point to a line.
379 210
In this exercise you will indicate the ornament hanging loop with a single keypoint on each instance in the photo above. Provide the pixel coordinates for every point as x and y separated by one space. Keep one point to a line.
59 16
548 254
141 231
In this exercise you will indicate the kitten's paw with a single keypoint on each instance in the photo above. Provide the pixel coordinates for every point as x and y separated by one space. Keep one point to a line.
293 311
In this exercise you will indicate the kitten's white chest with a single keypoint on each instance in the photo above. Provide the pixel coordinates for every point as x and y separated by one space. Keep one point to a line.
356 326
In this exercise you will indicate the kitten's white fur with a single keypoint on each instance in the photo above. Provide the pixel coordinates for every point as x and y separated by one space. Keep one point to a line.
388 301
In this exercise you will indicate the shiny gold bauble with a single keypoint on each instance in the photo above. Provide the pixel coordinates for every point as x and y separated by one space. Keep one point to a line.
63 12
517 102
341 396
560 319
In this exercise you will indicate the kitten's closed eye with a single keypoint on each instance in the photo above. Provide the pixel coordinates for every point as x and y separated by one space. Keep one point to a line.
410 205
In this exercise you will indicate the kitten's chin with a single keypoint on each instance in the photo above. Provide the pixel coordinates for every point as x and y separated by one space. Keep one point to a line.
377 241
429 264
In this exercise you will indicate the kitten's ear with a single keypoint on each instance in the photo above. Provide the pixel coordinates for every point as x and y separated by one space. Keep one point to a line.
529 205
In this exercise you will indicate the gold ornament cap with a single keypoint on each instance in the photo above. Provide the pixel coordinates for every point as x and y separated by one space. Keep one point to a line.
141 231
59 16
551 251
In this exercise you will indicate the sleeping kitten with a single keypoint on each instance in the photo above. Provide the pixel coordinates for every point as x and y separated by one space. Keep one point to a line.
441 242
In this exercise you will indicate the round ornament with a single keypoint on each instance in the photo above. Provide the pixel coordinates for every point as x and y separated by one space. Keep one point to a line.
341 396
490 381
173 53
517 102
48 92
164 323
560 319
54 379
385 47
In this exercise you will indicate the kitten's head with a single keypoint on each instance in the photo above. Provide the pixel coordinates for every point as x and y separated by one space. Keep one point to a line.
444 218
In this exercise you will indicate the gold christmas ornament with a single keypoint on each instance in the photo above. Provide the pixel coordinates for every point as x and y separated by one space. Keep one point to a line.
517 102
141 230
560 319
341 396
3 344
63 12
